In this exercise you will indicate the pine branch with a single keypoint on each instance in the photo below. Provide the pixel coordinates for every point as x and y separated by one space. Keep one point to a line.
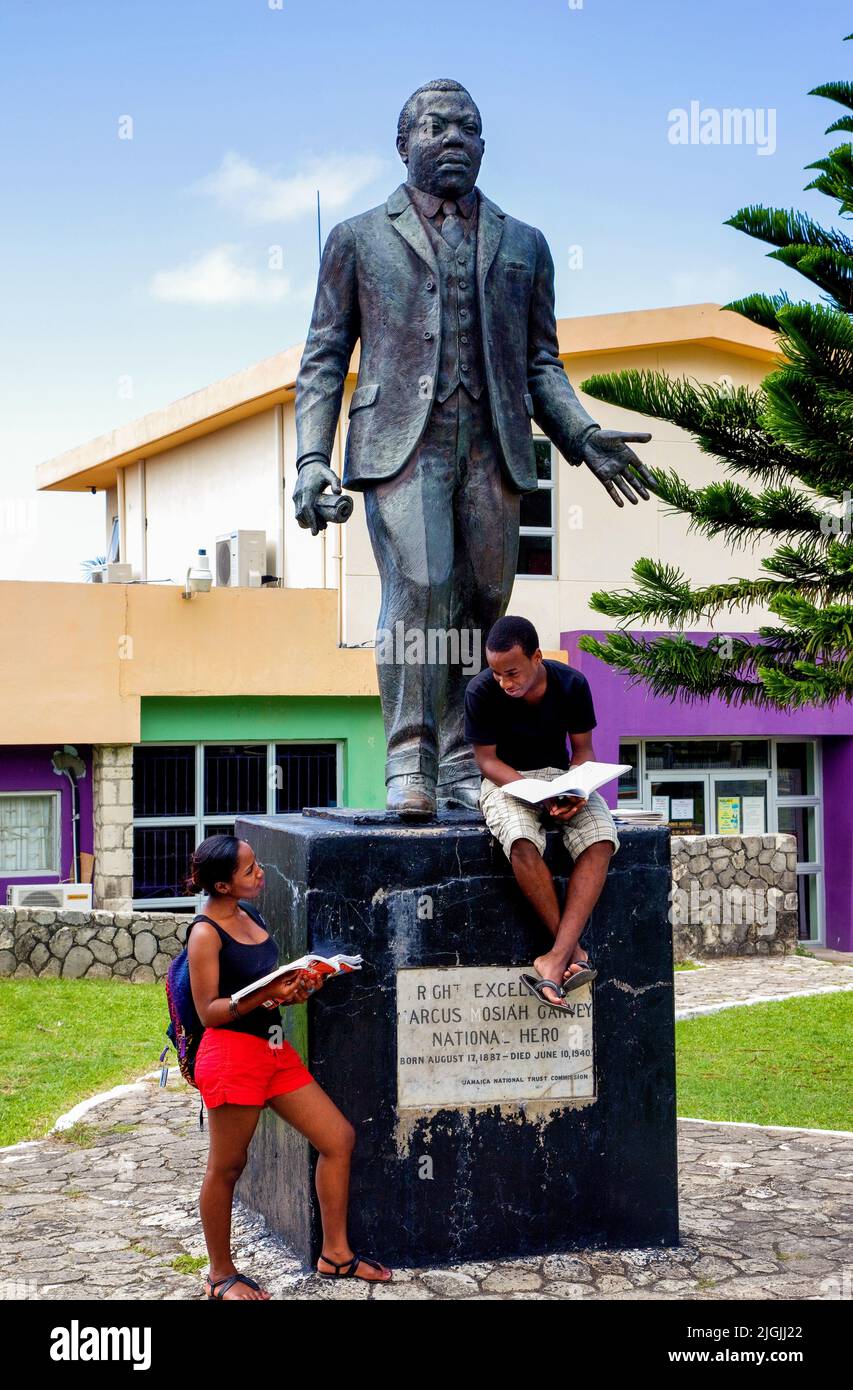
678 668
824 685
818 341
674 666
726 424
781 227
842 92
762 309
831 270
731 508
836 177
798 412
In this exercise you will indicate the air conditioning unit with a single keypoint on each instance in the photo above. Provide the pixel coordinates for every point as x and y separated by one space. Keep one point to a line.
241 559
66 897
113 573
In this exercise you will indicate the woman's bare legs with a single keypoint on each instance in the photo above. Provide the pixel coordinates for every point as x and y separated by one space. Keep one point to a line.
231 1128
316 1116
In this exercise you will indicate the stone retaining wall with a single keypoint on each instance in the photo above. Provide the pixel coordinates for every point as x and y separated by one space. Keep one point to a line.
136 946
731 895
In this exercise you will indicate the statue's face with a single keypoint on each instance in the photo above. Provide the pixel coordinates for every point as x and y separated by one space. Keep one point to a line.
515 673
444 148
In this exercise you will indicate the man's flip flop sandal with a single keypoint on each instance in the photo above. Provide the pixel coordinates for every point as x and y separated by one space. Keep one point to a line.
534 984
584 976
346 1269
228 1281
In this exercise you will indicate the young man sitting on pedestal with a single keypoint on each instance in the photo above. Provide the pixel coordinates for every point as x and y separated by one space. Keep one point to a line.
519 711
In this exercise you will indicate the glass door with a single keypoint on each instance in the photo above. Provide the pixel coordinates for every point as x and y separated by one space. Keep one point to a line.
739 804
682 800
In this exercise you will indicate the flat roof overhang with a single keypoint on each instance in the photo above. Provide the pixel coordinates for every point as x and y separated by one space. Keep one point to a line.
265 384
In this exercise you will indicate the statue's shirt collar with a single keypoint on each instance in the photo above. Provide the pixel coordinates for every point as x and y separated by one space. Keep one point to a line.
429 203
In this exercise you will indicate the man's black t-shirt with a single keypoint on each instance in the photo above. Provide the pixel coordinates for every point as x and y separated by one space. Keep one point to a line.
530 735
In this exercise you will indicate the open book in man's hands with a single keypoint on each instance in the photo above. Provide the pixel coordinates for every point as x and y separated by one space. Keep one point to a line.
314 968
578 781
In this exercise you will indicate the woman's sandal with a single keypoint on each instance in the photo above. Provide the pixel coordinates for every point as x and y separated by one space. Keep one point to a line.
227 1283
349 1267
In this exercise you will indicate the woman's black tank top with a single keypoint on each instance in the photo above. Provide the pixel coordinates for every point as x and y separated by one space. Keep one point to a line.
239 964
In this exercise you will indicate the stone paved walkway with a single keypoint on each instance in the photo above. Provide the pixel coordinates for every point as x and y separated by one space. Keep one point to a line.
107 1207
727 982
765 1213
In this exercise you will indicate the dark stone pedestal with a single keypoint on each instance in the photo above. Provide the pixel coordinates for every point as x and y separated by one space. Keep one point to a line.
467 1182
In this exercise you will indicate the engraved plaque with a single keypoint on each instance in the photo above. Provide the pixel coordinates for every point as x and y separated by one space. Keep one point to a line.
474 1036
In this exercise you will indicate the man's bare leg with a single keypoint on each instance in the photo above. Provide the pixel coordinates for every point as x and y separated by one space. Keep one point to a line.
536 882
584 890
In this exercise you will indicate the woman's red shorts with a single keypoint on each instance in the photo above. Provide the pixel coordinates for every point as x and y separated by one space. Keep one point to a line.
233 1068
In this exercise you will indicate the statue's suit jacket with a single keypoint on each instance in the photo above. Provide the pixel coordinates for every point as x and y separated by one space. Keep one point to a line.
378 283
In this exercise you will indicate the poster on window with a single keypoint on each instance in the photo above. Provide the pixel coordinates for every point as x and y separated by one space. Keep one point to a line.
682 808
661 804
728 815
753 815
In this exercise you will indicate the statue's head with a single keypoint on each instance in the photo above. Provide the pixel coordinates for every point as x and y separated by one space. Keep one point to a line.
439 138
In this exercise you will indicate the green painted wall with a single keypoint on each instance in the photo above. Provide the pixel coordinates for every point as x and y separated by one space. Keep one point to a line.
356 719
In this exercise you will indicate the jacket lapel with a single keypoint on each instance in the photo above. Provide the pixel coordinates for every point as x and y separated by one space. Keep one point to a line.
405 220
490 225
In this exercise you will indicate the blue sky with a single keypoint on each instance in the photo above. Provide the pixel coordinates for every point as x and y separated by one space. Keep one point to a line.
136 270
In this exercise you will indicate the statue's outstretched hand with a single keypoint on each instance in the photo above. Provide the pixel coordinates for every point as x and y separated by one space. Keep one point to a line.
312 480
616 466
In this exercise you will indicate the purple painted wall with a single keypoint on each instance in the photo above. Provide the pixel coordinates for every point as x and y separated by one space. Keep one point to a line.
838 841
28 769
624 712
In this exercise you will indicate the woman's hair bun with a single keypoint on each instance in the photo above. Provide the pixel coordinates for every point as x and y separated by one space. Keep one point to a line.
213 861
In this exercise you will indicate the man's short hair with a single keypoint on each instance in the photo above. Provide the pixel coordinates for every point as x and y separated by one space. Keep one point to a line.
513 632
438 84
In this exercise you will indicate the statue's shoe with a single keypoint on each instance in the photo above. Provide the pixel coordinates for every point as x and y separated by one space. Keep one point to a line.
462 795
411 794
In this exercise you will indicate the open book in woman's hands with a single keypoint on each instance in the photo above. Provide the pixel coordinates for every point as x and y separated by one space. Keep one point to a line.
578 781
313 968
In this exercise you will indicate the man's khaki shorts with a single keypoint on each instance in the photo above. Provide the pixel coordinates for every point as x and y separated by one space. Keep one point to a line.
510 819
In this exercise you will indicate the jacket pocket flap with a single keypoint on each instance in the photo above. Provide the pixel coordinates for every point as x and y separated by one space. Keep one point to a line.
363 395
528 401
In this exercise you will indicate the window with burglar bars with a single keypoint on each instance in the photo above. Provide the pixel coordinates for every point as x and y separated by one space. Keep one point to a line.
184 792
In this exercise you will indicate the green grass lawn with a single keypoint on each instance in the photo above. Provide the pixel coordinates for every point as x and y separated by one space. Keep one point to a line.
786 1063
64 1040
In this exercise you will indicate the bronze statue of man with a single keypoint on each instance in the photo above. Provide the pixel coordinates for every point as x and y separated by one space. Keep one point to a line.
453 303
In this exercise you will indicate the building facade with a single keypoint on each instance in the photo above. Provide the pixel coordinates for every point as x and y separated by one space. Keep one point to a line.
250 698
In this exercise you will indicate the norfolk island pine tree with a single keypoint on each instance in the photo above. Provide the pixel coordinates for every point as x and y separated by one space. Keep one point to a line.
792 438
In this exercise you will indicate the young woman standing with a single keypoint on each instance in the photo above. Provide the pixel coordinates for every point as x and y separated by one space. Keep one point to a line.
241 1067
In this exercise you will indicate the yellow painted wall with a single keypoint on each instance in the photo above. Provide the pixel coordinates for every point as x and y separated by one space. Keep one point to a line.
76 658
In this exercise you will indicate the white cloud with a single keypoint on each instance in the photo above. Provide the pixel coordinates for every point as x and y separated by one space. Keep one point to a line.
262 197
219 276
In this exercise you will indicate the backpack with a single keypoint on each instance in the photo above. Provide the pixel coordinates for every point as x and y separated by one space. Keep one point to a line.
185 1028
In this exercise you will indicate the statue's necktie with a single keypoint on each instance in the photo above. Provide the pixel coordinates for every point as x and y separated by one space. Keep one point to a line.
451 228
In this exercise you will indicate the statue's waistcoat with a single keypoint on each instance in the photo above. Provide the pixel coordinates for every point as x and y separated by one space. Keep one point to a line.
461 358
